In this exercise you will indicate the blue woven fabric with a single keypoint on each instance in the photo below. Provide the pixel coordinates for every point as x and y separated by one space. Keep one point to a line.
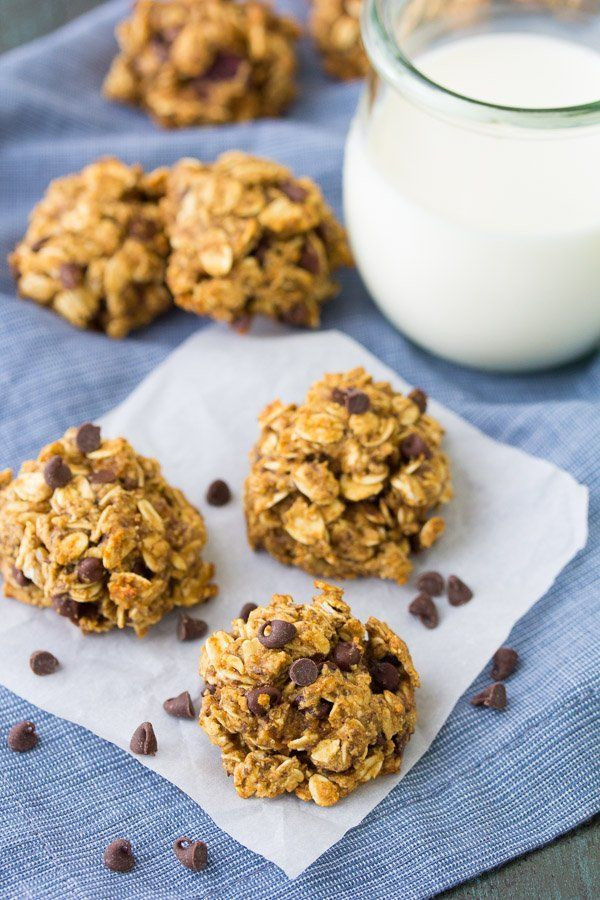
492 786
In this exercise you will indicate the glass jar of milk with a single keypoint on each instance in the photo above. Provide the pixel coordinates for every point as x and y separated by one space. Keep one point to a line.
472 177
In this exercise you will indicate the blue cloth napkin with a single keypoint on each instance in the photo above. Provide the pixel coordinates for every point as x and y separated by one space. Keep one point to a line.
493 785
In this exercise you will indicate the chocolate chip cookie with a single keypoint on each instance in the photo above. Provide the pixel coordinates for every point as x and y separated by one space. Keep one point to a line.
95 251
344 484
189 62
306 699
93 530
248 238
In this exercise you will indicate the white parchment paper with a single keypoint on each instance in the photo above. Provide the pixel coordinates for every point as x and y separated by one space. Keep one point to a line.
515 523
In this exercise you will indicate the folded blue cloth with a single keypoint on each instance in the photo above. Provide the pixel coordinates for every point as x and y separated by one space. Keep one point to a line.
493 785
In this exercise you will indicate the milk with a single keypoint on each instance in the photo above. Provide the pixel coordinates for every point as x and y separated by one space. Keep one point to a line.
482 243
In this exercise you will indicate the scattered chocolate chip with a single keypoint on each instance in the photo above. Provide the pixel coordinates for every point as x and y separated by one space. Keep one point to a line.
246 609
297 315
129 482
505 662
22 737
323 708
102 476
57 474
293 191
19 577
386 675
42 662
218 493
345 655
419 398
430 583
139 567
37 245
458 592
309 259
191 854
87 438
415 543
280 634
65 606
189 629
424 609
210 688
414 446
304 672
118 856
493 696
224 67
71 275
142 229
253 699
90 570
143 740
380 740
181 706
338 395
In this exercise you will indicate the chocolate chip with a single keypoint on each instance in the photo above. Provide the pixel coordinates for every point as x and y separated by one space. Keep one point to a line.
414 446
139 567
102 476
118 856
424 609
415 543
181 706
345 655
253 699
22 737
210 688
143 740
357 402
293 191
142 229
309 259
90 570
218 493
71 275
386 675
493 696
189 629
505 662
87 438
304 672
19 577
191 854
65 606
37 245
297 315
57 474
42 662
224 67
430 583
419 398
246 609
280 634
242 324
323 708
458 592
338 396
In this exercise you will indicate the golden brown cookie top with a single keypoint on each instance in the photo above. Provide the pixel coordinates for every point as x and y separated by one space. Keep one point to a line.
305 698
92 529
204 61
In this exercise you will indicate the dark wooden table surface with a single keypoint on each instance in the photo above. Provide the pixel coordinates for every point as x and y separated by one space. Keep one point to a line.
567 869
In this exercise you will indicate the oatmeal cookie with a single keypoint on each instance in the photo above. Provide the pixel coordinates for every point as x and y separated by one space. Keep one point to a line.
306 699
335 27
189 62
249 238
95 251
343 485
93 530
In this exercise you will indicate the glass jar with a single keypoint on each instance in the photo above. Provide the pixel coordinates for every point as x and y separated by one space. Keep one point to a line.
472 177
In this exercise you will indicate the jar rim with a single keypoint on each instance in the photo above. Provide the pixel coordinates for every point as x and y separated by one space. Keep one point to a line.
388 59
